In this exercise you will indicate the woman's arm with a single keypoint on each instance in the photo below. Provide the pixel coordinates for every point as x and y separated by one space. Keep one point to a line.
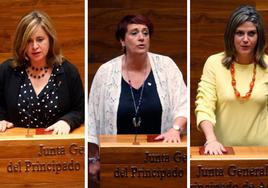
206 100
74 113
2 92
173 134
212 146
178 100
3 111
95 103
75 117
181 122
93 163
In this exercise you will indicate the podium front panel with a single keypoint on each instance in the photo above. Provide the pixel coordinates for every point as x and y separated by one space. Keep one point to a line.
41 160
124 164
246 168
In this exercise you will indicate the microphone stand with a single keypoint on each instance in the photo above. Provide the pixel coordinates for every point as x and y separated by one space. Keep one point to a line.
28 135
136 125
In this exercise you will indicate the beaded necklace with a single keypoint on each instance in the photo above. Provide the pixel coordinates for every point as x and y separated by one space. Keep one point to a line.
37 73
251 85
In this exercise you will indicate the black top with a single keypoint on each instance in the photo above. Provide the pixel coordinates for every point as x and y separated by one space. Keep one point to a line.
38 111
70 94
150 109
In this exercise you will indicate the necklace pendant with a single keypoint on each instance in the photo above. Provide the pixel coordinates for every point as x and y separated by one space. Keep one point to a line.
136 122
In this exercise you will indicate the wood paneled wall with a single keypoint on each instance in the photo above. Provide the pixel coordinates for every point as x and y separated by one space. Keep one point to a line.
169 38
68 19
208 21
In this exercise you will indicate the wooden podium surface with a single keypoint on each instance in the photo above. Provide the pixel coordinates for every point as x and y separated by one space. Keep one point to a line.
149 164
41 160
246 168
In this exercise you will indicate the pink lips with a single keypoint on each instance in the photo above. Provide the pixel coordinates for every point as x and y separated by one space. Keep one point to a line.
141 46
36 53
245 47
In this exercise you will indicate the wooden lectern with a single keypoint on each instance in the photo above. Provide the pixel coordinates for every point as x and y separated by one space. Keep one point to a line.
41 160
148 164
246 168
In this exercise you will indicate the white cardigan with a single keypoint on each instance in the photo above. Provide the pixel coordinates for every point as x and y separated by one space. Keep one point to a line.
106 88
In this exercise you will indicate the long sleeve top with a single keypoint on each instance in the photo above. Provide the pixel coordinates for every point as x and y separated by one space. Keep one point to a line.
236 121
70 93
105 93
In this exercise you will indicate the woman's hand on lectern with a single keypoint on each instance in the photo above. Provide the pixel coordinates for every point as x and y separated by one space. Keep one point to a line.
5 125
171 136
60 127
214 147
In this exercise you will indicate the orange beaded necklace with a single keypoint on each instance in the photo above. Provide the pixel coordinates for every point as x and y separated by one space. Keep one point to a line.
251 85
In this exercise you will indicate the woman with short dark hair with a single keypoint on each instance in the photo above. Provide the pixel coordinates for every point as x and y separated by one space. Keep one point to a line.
137 92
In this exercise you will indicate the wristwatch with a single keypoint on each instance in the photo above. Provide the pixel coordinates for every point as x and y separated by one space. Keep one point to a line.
177 127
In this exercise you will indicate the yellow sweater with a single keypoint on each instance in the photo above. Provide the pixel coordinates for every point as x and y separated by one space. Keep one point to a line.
236 122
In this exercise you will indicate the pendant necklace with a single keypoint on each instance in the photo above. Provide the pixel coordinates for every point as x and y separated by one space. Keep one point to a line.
136 120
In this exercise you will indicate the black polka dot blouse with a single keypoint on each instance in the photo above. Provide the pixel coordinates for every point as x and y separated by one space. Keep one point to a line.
38 111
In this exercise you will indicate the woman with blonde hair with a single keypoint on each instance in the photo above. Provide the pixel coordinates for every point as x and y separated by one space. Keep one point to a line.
39 88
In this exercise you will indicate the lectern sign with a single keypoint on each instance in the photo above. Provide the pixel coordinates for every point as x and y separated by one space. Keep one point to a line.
42 164
157 171
144 165
41 160
246 168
